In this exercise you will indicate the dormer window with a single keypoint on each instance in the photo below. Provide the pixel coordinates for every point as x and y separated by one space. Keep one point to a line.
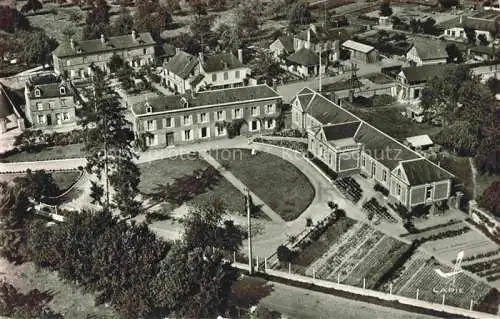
62 90
149 109
185 102
38 93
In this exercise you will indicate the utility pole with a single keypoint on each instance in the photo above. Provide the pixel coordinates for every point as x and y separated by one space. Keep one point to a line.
320 75
250 256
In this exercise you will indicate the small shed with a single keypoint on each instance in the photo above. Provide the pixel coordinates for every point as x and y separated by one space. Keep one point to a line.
419 142
360 52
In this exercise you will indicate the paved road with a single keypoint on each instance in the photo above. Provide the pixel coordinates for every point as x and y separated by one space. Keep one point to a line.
303 304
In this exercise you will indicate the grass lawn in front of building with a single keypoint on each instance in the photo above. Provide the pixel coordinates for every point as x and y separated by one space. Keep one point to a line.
63 179
49 153
276 181
166 170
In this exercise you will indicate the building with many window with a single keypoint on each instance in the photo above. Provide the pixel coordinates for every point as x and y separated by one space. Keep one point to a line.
50 102
181 119
73 59
348 145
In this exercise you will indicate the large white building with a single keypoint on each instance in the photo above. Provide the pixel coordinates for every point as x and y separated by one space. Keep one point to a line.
348 145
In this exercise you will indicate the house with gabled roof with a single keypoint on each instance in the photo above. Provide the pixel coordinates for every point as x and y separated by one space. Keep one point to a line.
360 52
426 51
185 72
349 145
73 59
187 118
486 23
50 102
282 46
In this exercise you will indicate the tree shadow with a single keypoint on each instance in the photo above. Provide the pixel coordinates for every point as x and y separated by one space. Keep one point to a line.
248 291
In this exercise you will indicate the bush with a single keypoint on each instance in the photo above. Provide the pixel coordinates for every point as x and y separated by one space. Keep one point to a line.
284 254
381 189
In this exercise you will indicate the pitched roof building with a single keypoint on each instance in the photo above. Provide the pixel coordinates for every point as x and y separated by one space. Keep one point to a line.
349 145
426 51
180 119
73 58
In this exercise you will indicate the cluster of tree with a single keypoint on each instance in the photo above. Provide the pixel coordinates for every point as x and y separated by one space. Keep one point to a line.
299 14
467 109
490 199
428 26
187 187
109 147
12 20
385 9
150 16
31 5
117 259
33 304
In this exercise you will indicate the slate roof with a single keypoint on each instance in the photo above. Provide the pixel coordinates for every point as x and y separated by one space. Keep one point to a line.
382 147
429 49
197 80
86 47
305 57
287 42
5 103
424 73
423 171
305 99
207 98
182 64
357 46
327 112
49 86
340 131
220 62
305 90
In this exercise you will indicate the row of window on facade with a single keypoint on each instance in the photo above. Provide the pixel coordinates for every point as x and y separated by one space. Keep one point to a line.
96 58
38 93
47 119
51 105
187 120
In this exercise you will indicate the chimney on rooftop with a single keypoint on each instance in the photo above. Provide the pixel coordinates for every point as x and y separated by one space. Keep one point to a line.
177 50
103 40
240 55
134 35
72 43
308 35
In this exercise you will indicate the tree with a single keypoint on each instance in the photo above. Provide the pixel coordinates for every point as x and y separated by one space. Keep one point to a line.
97 21
229 37
284 254
124 23
69 33
470 33
34 5
299 14
193 283
415 25
385 9
199 7
440 95
108 143
448 3
483 40
205 228
201 29
490 199
38 48
151 17
476 105
39 184
217 5
454 54
429 26
460 137
11 20
487 158
115 63
248 20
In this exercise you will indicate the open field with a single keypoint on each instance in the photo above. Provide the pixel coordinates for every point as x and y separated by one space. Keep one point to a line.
49 153
67 299
277 182
166 170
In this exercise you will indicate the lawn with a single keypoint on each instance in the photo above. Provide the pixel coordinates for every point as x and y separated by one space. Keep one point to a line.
390 121
63 179
67 298
166 170
49 153
319 247
277 182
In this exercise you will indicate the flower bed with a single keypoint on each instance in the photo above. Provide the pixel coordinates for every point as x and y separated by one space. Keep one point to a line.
350 188
294 145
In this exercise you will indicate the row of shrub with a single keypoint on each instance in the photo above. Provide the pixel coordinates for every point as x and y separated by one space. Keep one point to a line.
288 133
322 166
443 235
34 140
294 145
381 189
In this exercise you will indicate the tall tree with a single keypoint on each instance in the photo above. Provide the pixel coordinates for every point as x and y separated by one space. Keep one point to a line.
490 199
109 140
201 29
11 20
454 54
152 17
248 19
38 47
470 33
124 23
229 37
299 14
487 156
385 9
97 21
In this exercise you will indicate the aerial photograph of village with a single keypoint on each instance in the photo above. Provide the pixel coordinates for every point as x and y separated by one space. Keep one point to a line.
329 159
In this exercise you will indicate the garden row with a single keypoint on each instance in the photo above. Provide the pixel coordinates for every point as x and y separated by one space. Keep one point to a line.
373 208
350 188
294 145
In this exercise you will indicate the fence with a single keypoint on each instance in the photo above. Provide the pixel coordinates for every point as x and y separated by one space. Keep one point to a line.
260 267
